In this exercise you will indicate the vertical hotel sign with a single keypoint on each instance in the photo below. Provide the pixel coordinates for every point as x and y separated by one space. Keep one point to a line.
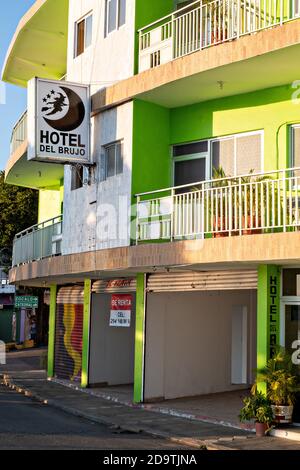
273 309
58 121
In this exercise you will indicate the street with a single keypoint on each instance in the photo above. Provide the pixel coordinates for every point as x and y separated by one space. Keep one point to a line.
27 424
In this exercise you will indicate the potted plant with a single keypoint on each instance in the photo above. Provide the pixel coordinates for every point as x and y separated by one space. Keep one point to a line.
257 407
252 189
219 221
281 384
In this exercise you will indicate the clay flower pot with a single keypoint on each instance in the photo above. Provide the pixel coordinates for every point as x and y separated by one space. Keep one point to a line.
261 429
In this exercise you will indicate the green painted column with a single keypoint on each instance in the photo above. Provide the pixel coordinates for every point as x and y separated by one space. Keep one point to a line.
268 314
138 394
51 336
86 333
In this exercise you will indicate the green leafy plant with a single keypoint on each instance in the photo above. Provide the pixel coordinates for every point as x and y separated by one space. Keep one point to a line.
256 407
280 378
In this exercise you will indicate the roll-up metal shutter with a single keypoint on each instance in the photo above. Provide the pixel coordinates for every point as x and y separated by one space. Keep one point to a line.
202 281
68 333
111 286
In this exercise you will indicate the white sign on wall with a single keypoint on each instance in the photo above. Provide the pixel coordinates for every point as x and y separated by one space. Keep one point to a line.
58 121
120 313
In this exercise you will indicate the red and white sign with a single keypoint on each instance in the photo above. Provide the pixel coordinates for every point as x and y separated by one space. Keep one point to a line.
120 313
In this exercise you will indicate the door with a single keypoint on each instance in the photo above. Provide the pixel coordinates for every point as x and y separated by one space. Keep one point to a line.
291 338
291 341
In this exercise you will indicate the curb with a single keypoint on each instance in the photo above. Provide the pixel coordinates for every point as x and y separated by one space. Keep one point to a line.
156 408
7 381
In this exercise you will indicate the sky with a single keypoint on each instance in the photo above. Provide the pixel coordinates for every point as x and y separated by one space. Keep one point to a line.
15 97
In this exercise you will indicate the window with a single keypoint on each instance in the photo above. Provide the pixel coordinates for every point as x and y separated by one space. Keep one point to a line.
190 163
81 176
112 160
115 15
237 155
84 31
77 177
295 154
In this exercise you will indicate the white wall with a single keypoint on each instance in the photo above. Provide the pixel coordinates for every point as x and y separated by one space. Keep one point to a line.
111 349
98 216
110 58
188 342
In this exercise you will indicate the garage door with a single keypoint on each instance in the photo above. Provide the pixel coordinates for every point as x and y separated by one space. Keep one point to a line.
68 333
202 281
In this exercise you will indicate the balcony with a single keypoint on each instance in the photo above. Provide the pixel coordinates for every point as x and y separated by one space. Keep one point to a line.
244 205
21 172
201 25
19 133
38 242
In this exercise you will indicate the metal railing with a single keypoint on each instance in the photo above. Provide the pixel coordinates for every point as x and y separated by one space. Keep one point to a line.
242 205
19 133
37 242
204 24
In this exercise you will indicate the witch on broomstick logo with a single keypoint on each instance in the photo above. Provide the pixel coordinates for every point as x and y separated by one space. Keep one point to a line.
63 110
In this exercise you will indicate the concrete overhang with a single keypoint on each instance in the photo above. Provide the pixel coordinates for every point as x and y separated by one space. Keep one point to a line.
39 45
242 252
262 60
30 174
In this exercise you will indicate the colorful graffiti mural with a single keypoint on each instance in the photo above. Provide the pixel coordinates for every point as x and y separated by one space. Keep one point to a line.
68 347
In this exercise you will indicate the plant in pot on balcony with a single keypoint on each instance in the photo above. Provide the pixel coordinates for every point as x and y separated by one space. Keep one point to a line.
282 385
257 407
218 204
253 201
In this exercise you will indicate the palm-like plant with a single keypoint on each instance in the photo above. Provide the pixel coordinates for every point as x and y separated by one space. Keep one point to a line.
279 375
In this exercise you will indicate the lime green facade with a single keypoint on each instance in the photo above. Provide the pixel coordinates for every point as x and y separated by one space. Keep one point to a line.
145 15
50 203
268 314
86 333
156 129
140 321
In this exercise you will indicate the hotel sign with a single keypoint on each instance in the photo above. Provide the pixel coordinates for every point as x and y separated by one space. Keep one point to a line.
58 121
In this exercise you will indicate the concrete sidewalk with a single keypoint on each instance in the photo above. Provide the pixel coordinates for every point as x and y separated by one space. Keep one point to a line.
136 419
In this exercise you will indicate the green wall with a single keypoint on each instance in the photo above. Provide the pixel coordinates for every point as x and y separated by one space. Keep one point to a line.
156 128
151 138
146 12
268 314
86 333
6 333
271 110
50 203
139 338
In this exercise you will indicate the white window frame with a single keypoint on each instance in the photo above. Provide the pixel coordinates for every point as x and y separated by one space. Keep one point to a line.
118 26
193 156
84 18
105 147
208 154
292 145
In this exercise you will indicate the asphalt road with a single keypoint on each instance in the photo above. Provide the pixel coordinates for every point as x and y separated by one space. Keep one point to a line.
27 424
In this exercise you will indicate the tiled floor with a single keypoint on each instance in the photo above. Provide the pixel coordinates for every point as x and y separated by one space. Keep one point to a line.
219 407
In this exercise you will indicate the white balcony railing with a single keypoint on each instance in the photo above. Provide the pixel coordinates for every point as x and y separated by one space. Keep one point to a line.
37 242
19 133
204 24
243 205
